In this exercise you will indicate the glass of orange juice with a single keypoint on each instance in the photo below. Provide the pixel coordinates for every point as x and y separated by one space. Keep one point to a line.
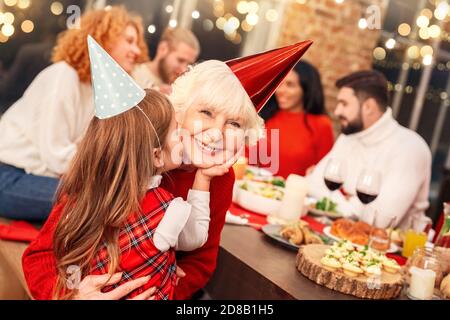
415 238
239 168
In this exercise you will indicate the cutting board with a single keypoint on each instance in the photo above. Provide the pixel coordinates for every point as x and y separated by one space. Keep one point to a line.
389 286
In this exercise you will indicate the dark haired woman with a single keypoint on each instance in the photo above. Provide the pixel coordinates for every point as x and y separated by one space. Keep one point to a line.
305 131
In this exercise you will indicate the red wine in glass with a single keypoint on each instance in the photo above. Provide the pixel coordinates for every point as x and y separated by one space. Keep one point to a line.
366 198
332 185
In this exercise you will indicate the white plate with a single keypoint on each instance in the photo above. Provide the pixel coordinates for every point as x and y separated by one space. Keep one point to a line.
327 231
256 203
260 172
253 202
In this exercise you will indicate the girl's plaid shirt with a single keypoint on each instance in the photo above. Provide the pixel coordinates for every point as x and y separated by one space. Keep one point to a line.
138 255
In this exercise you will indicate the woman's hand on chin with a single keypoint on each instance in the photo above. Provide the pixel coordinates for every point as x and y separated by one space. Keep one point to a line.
221 169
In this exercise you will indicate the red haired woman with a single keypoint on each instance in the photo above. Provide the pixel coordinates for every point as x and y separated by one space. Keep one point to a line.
40 132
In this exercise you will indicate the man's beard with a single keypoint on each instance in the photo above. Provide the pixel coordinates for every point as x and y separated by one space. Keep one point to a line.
164 71
354 126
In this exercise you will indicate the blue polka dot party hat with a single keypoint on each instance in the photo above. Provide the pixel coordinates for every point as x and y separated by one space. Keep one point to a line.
114 90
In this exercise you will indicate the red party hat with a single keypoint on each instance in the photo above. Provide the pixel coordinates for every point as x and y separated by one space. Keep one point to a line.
261 74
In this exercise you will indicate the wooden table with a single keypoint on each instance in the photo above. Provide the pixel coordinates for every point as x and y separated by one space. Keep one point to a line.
252 266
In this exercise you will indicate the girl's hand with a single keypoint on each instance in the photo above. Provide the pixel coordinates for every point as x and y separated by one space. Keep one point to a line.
91 286
180 274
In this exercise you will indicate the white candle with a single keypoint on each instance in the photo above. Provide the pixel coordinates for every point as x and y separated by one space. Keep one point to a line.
294 196
422 283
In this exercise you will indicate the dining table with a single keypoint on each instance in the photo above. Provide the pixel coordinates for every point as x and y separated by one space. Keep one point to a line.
251 265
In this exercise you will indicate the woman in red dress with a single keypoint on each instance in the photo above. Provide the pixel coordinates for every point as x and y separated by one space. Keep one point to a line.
305 131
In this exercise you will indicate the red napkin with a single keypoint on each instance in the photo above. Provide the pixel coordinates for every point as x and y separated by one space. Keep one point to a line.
18 231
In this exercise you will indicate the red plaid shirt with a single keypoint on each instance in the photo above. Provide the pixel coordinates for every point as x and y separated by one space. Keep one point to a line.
138 255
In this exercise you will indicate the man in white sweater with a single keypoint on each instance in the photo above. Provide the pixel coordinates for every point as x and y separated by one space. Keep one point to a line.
372 139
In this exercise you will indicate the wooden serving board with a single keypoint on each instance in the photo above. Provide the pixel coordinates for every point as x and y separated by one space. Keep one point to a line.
308 263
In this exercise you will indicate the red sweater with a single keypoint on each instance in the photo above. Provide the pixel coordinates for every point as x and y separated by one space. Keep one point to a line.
39 263
299 146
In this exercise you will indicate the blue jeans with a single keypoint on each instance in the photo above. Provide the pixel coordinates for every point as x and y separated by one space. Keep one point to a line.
25 196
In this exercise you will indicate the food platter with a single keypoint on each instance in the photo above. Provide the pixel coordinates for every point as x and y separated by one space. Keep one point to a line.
308 262
323 208
327 231
273 232
320 213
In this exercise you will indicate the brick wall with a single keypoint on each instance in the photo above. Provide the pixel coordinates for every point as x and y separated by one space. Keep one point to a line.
340 47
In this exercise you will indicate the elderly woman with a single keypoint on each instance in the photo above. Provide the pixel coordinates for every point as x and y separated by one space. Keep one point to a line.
217 118
40 132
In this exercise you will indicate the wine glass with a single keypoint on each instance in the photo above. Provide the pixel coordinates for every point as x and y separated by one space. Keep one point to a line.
368 187
334 175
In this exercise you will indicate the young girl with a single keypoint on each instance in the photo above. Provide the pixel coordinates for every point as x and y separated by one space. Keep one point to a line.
113 214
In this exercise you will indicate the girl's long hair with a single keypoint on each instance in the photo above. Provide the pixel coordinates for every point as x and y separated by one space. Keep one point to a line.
108 178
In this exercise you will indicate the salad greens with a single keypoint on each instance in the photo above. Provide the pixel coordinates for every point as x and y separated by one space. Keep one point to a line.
326 205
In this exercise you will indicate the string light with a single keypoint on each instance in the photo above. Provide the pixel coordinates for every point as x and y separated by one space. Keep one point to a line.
3 38
10 3
427 13
390 43
379 53
151 29
219 8
234 23
245 26
8 30
362 23
195 14
27 26
426 51
169 9
413 52
409 89
173 23
423 33
427 60
404 29
56 8
253 7
231 25
441 10
422 21
237 39
271 15
220 23
208 25
242 7
434 31
252 19
23 4
8 18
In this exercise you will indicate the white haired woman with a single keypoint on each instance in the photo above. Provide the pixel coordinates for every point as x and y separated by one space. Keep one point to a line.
216 112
